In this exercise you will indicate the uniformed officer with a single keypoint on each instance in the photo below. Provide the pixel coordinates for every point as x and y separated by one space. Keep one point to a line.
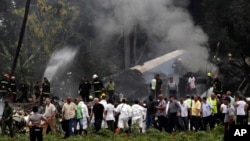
7 118
34 122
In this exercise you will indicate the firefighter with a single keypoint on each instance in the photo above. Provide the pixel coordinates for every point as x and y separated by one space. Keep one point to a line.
217 85
209 80
84 88
4 86
13 88
45 90
98 86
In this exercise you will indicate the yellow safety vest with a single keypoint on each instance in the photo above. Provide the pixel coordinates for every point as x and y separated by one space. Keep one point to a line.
214 104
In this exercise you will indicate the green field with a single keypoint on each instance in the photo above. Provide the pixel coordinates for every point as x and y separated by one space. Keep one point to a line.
151 135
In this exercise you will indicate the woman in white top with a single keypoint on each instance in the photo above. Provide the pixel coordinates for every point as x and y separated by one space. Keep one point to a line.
223 110
109 115
241 109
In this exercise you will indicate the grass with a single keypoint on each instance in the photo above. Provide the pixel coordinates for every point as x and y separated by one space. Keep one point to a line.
151 135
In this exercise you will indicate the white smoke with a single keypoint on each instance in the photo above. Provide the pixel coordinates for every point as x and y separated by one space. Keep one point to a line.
167 25
59 61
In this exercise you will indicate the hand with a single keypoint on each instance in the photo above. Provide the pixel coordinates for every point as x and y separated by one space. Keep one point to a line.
178 113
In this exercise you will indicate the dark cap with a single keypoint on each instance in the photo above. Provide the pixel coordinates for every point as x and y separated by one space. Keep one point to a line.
227 99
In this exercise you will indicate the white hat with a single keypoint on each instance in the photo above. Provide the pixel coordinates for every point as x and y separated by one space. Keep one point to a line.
95 76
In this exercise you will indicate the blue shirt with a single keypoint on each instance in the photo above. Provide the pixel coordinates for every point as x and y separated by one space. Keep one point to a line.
206 109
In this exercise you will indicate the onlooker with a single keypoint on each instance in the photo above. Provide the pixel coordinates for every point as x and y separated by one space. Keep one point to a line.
241 110
184 113
79 117
85 116
195 113
137 114
50 113
97 112
161 113
172 87
124 111
68 115
192 84
150 115
109 115
174 112
229 120
206 114
34 122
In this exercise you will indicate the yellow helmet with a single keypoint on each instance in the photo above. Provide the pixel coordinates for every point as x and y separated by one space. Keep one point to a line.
209 74
229 54
103 95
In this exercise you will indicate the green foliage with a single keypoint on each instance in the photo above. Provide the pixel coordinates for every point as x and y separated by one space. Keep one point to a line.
151 135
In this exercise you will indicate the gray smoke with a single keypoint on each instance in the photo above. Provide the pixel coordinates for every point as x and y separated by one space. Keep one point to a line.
167 25
59 62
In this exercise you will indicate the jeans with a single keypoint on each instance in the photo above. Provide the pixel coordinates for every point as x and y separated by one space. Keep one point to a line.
69 124
80 121
185 122
150 119
98 124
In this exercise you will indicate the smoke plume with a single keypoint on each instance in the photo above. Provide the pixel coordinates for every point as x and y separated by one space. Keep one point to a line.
59 62
166 22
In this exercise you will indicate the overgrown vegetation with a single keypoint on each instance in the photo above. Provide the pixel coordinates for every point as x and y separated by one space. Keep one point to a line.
151 135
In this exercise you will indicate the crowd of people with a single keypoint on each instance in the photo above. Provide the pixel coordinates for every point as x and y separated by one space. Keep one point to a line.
170 114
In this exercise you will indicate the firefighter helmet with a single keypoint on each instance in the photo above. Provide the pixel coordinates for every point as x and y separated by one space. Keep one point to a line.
209 74
6 75
95 76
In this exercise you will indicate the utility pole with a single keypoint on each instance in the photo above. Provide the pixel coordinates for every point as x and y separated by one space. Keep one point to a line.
19 45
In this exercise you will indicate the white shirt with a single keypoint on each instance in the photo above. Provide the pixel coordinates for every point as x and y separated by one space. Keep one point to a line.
184 109
124 110
224 108
137 111
104 103
49 110
172 86
85 111
191 81
240 109
110 112
153 84
206 109
167 106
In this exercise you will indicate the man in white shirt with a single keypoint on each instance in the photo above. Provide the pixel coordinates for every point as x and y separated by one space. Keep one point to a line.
184 113
124 111
137 114
85 116
241 110
109 115
192 84
172 87
104 103
50 113
152 87
206 112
